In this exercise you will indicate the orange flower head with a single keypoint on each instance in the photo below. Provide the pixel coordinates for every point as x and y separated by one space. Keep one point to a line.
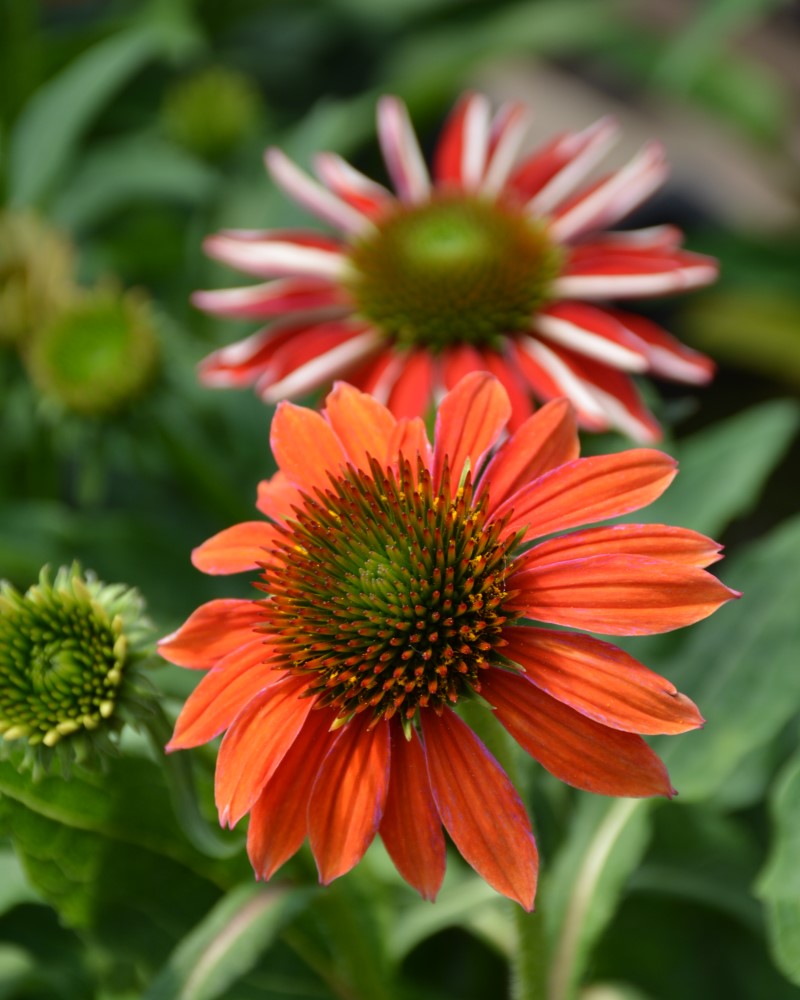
488 262
400 582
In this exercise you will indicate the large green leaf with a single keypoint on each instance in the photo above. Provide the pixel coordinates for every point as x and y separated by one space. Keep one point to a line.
130 169
740 666
227 943
582 889
129 804
779 883
52 123
723 468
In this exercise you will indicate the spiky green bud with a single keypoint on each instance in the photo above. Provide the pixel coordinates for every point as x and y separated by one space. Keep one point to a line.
69 652
98 355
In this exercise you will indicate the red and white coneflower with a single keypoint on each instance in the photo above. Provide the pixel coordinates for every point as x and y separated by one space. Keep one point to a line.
398 582
487 265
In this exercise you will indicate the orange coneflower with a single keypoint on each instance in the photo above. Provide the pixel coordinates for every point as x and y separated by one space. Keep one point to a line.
487 265
397 585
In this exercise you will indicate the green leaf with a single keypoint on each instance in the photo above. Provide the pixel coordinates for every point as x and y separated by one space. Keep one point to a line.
467 903
133 168
581 892
433 57
227 943
740 666
723 468
779 883
13 887
129 804
50 125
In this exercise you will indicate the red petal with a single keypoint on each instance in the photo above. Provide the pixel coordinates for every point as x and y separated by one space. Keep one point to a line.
305 446
600 681
256 743
547 439
244 546
348 797
573 748
589 489
518 393
617 594
275 298
460 156
214 630
363 426
591 332
614 393
412 391
222 694
656 541
668 357
242 362
459 361
470 419
480 808
310 353
278 822
410 828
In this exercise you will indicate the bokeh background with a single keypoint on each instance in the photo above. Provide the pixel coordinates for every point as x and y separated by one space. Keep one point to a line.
128 131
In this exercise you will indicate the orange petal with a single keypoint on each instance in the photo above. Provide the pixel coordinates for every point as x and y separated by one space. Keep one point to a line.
655 541
276 497
348 797
589 489
480 807
222 694
361 423
469 421
214 630
600 681
573 748
305 446
278 822
244 546
618 594
410 828
256 743
547 439
410 440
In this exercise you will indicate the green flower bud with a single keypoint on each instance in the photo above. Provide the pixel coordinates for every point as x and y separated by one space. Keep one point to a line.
98 355
211 111
69 653
36 267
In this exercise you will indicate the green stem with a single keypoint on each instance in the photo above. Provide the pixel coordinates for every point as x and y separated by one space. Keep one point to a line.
569 939
529 961
180 781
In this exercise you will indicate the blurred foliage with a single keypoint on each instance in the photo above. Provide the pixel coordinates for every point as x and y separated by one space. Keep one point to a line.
119 885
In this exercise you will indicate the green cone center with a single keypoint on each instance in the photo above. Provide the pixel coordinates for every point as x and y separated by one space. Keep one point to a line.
388 593
456 270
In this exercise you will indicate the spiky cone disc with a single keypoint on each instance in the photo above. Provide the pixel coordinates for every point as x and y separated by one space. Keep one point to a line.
69 652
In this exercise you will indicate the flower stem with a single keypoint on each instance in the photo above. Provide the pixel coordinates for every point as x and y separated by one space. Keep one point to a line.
529 961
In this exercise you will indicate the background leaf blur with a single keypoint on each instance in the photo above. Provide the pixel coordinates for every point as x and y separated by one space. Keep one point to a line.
114 887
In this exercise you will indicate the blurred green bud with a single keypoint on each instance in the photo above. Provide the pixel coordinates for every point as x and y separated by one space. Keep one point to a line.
69 651
99 354
36 275
211 111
